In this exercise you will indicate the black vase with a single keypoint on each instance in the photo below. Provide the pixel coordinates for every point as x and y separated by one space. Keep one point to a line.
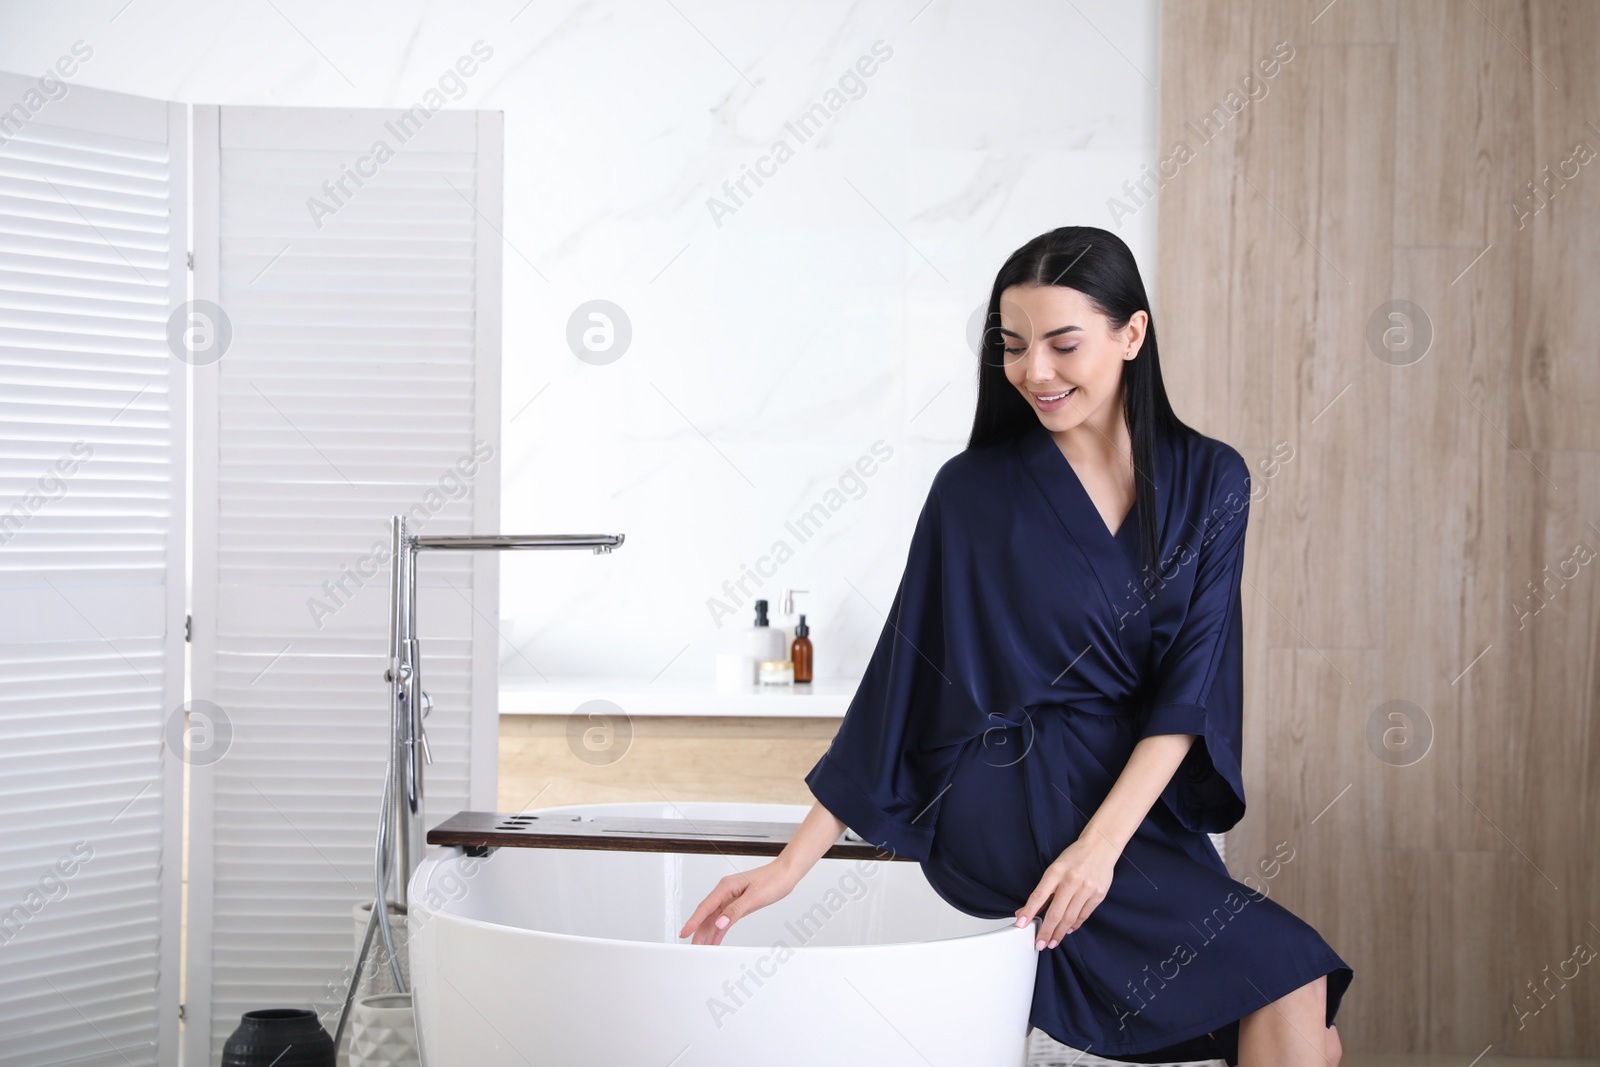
279 1037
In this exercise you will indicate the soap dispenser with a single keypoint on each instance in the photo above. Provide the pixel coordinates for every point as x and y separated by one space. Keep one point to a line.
800 651
765 642
786 610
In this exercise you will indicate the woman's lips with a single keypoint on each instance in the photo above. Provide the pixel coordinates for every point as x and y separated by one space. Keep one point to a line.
1061 398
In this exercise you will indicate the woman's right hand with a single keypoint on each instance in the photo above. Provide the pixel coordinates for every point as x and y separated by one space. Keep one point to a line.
739 894
736 896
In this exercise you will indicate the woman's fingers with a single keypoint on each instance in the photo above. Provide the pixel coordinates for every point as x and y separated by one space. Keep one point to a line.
751 897
1070 902
1076 913
1050 924
1036 899
712 901
703 921
712 930
1049 890
1063 915
721 921
700 931
734 897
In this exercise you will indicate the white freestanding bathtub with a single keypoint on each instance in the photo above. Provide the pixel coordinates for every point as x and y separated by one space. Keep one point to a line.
571 958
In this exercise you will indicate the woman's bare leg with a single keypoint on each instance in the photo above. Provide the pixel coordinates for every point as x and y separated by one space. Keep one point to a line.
1289 1032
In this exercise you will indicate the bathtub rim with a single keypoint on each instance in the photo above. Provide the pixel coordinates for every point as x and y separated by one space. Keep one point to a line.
436 853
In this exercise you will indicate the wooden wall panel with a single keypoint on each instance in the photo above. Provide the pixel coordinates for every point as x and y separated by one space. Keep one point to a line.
1348 21
1466 946
1446 544
1555 364
1395 1010
1550 813
1323 794
1324 201
1344 523
1392 557
1459 101
688 758
1211 365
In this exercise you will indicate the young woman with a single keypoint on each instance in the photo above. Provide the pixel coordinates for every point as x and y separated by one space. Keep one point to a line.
1051 720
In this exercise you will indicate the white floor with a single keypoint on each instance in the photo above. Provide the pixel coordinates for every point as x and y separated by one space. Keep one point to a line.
1044 1051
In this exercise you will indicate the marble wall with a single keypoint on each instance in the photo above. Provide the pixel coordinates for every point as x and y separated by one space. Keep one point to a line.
791 212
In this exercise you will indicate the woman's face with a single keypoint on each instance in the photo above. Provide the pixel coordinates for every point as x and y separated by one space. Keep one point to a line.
1063 355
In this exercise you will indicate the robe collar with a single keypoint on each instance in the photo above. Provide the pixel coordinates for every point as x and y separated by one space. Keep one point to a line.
1114 558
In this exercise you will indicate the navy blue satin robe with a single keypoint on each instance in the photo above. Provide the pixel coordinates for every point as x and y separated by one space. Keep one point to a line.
1024 655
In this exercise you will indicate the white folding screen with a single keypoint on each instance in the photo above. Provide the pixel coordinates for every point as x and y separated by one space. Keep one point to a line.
354 263
92 243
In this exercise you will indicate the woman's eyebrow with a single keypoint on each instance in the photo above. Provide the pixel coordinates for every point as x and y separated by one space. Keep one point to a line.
1058 331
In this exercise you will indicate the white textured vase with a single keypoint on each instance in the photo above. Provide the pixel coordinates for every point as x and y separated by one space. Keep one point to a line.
383 1032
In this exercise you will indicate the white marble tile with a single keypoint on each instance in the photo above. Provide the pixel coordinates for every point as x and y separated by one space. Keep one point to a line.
827 311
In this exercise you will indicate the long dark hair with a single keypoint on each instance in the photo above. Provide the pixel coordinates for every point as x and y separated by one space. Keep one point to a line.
1099 265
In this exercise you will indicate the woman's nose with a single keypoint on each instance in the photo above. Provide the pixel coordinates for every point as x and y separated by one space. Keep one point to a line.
1037 363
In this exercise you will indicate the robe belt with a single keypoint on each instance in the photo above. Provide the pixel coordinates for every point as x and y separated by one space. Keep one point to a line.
1040 753
1087 705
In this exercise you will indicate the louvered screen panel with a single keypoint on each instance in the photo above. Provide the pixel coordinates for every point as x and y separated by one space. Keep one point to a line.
92 240
361 381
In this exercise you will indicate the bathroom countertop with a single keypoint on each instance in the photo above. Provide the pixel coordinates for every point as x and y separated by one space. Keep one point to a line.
640 696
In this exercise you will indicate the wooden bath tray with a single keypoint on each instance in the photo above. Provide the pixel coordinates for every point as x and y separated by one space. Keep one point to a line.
480 832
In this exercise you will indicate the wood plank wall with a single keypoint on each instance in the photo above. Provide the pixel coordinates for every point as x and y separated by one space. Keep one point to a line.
548 761
1390 559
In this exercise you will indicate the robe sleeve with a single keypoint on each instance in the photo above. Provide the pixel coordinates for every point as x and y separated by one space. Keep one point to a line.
893 754
1199 687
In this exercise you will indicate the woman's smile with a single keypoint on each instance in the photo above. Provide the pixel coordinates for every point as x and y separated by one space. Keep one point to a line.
1052 401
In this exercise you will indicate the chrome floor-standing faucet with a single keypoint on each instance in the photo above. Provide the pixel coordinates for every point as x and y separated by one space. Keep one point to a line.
401 820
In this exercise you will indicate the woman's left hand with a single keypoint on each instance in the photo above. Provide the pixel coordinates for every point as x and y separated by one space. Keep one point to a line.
1074 884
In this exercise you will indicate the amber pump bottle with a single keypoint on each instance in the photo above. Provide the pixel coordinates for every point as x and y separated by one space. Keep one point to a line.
800 651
